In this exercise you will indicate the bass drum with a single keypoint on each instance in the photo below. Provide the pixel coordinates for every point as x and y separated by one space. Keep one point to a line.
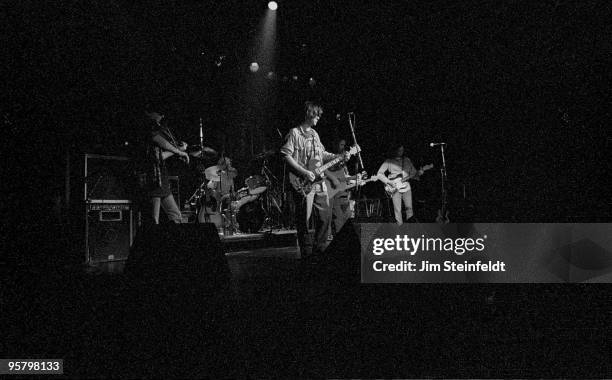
251 217
256 184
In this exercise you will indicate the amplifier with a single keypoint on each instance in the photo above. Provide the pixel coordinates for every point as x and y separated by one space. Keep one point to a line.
109 231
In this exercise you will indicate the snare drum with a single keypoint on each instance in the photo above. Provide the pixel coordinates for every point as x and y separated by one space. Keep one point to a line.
244 200
256 184
242 192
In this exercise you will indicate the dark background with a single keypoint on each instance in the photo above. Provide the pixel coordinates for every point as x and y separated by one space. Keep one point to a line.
520 91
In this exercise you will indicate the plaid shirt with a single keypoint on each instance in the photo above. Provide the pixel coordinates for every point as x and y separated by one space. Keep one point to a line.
304 146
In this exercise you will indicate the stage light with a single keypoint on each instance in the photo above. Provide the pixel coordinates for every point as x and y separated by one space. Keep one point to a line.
270 75
219 60
312 82
272 5
254 67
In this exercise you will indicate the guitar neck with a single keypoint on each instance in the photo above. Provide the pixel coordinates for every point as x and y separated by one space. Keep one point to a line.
361 183
404 179
328 165
345 187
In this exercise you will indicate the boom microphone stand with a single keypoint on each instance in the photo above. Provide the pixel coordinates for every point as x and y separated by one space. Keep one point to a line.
284 199
354 139
201 139
443 181
200 193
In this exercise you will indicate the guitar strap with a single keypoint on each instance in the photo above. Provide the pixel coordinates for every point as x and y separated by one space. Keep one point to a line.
401 173
169 135
311 150
309 142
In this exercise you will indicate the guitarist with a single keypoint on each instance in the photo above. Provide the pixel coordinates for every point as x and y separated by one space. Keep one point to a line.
302 144
396 167
161 145
340 202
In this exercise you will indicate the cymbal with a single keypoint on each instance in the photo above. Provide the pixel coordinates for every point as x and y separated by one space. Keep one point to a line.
265 154
207 150
212 173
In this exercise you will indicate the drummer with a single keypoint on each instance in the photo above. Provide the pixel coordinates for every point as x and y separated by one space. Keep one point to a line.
223 179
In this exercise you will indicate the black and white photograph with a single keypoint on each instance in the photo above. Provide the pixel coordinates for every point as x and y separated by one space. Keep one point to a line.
306 189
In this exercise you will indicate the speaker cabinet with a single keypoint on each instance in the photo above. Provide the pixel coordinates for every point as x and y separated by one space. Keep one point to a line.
108 231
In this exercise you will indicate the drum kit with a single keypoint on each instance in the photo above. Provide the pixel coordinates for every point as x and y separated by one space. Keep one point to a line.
249 209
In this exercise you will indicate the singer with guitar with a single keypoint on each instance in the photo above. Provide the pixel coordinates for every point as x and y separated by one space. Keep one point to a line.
161 145
308 160
400 169
339 183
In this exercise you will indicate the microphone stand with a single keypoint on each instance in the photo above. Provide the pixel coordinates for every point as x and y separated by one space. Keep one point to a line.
283 194
443 181
202 189
201 140
354 139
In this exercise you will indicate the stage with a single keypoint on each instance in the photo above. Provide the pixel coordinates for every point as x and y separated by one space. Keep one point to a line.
261 243
283 317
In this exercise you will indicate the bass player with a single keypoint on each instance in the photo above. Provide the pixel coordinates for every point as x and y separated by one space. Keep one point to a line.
399 167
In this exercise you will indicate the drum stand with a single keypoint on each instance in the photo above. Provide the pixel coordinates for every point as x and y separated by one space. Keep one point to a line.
196 201
271 202
230 225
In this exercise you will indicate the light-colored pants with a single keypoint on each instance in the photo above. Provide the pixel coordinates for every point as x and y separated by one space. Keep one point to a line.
170 208
397 199
303 210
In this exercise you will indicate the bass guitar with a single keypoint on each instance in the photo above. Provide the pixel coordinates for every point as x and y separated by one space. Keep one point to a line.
305 186
401 185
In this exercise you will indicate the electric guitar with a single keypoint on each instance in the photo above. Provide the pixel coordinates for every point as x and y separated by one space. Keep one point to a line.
306 186
182 147
346 185
401 185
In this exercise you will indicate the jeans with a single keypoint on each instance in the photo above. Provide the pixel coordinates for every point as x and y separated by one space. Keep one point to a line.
303 208
170 208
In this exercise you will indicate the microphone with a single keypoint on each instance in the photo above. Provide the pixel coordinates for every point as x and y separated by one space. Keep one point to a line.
279 133
436 144
201 137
